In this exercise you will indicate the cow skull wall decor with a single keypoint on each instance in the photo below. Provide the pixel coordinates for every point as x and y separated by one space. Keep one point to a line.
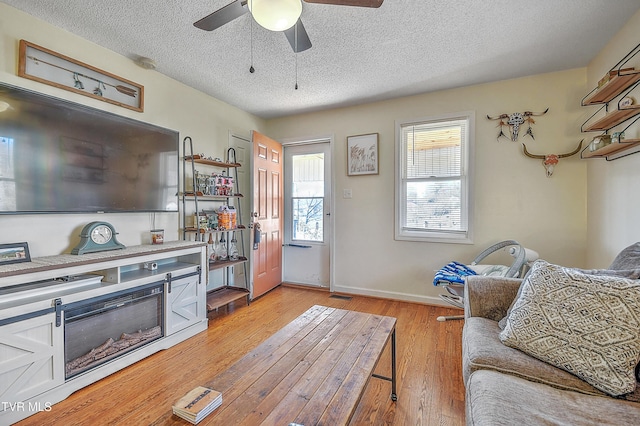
549 161
514 121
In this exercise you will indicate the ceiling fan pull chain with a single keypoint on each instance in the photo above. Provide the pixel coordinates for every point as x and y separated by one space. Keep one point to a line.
296 51
251 68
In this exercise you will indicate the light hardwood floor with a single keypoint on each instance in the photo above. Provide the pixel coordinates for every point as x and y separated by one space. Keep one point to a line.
430 389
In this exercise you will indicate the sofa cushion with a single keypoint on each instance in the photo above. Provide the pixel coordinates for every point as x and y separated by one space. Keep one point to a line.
496 399
625 265
482 349
588 325
629 258
633 274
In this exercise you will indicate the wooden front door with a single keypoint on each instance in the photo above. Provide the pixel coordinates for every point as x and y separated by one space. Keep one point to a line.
267 211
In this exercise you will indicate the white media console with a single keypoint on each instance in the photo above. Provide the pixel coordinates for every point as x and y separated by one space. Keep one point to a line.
53 307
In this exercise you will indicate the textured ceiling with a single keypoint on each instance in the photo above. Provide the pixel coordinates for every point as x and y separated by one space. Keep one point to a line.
359 55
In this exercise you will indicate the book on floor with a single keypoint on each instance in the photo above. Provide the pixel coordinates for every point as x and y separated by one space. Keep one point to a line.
197 404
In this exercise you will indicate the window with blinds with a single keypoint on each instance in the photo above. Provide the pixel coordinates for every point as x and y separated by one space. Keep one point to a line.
433 195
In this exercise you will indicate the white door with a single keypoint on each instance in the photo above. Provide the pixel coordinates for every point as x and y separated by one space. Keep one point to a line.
242 147
307 213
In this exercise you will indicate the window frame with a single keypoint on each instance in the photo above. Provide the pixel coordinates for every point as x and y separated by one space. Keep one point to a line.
466 183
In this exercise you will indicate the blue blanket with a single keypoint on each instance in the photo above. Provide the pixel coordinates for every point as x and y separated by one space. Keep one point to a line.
452 272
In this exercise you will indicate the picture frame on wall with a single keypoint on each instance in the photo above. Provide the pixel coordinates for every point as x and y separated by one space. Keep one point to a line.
14 253
362 155
45 66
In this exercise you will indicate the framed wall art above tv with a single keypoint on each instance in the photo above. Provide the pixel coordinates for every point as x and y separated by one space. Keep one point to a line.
43 65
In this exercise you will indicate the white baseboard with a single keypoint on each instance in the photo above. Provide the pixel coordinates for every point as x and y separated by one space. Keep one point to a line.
428 300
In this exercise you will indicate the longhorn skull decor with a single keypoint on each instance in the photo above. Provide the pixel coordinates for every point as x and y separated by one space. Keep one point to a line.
549 161
514 121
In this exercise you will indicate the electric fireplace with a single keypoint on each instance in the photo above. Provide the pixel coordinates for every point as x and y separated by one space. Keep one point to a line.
100 329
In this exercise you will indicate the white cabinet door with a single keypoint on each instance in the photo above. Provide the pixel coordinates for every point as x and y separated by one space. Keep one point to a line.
31 358
186 302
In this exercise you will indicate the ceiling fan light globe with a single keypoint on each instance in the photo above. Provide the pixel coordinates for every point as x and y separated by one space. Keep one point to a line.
276 15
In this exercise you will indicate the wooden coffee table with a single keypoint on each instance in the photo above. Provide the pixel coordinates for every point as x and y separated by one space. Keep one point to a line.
312 371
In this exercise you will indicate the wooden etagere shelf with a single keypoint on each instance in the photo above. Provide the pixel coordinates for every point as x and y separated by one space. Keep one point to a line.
223 296
219 264
191 196
214 231
229 291
197 159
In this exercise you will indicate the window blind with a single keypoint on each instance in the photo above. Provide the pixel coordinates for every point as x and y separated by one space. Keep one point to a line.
433 174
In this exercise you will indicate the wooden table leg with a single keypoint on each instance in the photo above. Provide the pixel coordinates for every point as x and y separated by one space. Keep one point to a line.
392 379
394 395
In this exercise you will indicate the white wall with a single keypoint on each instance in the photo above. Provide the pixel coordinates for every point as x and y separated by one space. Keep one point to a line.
614 204
167 103
513 197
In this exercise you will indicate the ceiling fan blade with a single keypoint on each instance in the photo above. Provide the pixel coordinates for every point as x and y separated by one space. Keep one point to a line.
303 43
222 16
359 3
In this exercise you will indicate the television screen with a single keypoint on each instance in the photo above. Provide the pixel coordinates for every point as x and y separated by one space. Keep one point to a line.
57 156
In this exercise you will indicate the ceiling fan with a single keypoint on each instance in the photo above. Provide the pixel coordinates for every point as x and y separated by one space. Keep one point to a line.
268 16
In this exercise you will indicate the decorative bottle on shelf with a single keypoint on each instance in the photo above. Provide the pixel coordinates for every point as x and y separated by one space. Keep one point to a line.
216 250
233 248
221 251
212 249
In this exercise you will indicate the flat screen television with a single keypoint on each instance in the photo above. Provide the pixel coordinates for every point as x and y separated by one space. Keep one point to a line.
61 157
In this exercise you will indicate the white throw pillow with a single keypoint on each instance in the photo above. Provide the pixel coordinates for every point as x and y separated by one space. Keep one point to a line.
588 325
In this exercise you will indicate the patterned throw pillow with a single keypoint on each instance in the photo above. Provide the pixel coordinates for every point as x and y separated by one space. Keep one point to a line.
588 325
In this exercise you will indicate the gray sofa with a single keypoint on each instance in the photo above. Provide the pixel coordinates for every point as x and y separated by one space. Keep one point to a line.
505 386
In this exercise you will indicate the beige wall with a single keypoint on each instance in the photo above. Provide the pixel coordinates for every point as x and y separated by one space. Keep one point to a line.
613 185
513 197
167 103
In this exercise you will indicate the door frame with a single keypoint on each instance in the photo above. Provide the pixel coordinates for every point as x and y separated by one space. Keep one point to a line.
245 211
331 223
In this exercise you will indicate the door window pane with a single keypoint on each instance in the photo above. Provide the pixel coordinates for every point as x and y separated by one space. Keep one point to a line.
308 197
308 219
308 175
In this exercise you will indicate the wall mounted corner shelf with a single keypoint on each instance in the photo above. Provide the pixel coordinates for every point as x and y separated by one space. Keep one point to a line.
620 81
612 151
612 119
